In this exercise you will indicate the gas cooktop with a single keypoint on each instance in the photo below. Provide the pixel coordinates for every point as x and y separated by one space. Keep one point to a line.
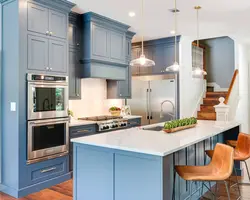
101 118
107 122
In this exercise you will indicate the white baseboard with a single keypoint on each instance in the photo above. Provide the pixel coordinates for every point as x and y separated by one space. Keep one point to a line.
217 87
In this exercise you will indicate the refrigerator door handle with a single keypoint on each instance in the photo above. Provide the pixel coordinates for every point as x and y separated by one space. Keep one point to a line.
147 97
149 104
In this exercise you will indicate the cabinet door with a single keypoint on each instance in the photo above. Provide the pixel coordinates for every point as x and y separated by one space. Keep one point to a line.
100 43
38 52
74 75
169 55
58 56
38 20
124 87
159 60
117 47
58 24
74 35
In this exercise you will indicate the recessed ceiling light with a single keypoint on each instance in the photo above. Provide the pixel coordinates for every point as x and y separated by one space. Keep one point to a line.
172 32
131 14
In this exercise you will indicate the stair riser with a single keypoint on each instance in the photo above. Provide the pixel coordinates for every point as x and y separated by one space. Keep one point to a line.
210 102
207 108
215 95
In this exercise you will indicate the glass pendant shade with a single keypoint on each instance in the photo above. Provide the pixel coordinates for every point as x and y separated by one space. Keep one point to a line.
173 68
142 62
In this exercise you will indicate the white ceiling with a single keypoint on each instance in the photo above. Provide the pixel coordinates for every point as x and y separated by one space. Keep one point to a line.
217 17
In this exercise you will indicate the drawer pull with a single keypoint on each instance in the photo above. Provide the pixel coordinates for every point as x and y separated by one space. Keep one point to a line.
48 170
83 131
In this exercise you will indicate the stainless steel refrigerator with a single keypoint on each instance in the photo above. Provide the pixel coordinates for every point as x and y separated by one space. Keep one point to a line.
154 98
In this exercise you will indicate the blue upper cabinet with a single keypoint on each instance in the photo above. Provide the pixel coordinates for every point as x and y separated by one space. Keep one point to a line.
104 48
160 50
58 61
47 38
58 25
38 18
46 21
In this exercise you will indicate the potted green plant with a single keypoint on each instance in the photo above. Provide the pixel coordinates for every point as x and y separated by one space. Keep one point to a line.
71 114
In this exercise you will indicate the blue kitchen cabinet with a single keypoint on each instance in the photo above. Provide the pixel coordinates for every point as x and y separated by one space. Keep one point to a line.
122 89
75 51
47 39
104 48
27 49
38 18
38 56
46 21
74 74
58 25
134 122
58 56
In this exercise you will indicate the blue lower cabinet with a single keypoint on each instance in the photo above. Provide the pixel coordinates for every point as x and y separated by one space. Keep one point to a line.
43 171
134 122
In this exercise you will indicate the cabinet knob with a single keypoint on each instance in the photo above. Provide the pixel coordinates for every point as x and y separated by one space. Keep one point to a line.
120 95
77 44
47 32
47 68
51 33
78 95
50 68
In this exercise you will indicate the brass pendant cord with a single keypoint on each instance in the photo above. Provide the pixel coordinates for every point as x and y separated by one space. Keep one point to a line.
142 26
175 37
198 27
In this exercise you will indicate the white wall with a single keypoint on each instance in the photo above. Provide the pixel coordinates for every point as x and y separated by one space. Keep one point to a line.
242 55
94 99
191 89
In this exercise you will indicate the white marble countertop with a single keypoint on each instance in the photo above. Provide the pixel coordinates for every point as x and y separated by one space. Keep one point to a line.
156 142
75 122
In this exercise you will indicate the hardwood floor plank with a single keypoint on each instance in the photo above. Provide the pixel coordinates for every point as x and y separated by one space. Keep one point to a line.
48 194
65 188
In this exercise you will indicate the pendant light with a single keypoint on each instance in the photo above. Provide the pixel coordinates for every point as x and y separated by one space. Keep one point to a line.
175 67
142 61
198 71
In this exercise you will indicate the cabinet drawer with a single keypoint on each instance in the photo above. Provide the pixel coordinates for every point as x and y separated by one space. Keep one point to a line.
45 170
81 131
134 122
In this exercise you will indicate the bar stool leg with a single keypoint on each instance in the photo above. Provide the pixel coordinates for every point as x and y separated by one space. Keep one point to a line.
216 189
237 182
173 195
247 170
228 194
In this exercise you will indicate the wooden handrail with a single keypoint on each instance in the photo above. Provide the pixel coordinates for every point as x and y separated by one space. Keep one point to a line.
236 72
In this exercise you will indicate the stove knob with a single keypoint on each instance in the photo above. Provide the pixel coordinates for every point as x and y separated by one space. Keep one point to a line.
107 127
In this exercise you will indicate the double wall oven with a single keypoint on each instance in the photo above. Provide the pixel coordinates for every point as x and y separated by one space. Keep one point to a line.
47 113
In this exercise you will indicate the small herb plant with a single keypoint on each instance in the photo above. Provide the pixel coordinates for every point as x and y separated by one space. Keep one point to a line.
180 122
70 113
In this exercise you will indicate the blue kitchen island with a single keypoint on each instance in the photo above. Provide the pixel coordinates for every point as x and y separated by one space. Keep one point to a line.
138 163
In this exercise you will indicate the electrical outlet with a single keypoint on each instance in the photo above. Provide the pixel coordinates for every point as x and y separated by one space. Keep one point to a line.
13 106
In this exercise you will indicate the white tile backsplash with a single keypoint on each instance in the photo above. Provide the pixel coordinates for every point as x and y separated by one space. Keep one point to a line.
94 99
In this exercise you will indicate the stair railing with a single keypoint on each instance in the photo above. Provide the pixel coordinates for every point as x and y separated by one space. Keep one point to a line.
232 98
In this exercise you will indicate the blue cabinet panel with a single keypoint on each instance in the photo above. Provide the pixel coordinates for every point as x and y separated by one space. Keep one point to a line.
45 170
97 170
117 47
137 178
38 57
58 56
74 36
58 24
100 43
38 18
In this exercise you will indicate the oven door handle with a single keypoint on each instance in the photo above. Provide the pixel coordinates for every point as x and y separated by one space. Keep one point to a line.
49 122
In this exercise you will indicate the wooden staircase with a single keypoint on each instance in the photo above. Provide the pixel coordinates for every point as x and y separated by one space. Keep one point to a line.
207 111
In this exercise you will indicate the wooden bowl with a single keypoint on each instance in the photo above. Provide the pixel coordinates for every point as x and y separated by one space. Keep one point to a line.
179 128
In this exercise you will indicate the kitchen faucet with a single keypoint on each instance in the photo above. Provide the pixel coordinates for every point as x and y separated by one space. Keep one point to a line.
171 114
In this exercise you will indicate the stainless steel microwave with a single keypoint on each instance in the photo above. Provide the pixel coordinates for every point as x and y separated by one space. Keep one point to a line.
47 96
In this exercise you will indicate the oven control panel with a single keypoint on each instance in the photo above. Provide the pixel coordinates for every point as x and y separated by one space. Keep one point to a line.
112 125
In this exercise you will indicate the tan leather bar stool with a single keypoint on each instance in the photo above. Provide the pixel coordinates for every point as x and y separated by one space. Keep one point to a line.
219 169
241 152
